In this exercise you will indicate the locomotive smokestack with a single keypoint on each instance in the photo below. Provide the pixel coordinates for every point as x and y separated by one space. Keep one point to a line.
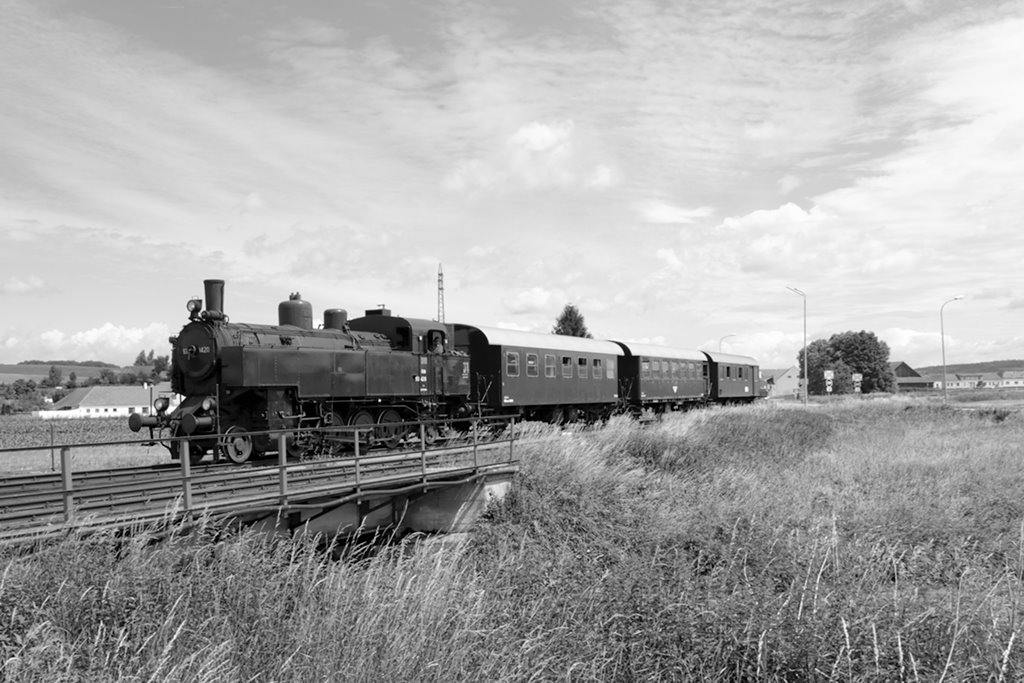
214 297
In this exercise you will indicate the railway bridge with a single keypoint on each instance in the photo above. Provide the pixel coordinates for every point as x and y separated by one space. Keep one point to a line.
438 487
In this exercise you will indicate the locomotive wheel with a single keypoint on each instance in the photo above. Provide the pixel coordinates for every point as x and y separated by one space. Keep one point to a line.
196 452
430 435
295 446
334 440
236 445
390 435
363 419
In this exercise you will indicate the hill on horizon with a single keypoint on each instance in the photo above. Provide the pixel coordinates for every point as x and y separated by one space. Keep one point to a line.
987 366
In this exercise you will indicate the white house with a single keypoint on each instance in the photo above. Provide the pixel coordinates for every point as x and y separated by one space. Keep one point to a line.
109 400
785 382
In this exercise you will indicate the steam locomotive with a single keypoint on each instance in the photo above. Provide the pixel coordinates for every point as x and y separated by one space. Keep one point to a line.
382 373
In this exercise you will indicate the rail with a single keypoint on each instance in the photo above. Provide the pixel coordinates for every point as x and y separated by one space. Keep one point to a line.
47 504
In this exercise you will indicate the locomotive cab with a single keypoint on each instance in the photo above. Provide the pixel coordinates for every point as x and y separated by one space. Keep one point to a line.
406 334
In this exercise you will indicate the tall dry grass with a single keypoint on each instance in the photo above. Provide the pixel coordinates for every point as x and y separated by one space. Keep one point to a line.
855 541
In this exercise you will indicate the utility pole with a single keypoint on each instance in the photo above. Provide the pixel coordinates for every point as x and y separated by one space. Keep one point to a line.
440 294
807 380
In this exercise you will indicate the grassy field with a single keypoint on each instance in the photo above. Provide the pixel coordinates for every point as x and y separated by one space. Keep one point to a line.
870 541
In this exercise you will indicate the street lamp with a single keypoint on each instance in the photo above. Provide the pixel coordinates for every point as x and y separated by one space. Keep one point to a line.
807 379
942 334
723 339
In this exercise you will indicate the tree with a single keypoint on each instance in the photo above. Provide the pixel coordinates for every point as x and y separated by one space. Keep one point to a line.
56 377
845 354
571 323
819 359
161 364
867 354
72 380
140 359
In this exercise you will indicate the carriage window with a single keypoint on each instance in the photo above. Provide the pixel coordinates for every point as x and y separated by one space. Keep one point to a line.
566 366
655 368
728 371
532 369
675 369
610 372
581 368
645 369
595 371
739 372
512 363
549 365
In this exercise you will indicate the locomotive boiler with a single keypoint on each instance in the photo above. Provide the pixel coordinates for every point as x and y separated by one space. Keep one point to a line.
241 380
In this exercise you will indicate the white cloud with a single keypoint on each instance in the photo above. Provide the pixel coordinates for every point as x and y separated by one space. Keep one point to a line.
603 177
788 183
669 258
109 342
252 202
763 130
481 251
533 300
17 285
538 156
663 212
787 217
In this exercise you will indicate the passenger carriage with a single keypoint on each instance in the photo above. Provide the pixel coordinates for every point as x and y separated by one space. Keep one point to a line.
662 378
733 378
540 376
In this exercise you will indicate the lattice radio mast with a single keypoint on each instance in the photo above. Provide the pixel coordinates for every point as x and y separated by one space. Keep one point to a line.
440 294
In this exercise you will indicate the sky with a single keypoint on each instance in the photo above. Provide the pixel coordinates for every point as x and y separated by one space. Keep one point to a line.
669 167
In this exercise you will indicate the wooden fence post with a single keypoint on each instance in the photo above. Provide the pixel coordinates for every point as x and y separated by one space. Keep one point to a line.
185 456
67 484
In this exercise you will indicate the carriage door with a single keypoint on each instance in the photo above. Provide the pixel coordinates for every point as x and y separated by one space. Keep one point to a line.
432 364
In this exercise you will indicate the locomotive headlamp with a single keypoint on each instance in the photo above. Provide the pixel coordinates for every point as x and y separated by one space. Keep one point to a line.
161 404
209 404
193 307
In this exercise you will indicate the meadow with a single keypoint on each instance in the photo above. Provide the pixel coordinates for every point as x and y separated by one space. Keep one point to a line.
859 540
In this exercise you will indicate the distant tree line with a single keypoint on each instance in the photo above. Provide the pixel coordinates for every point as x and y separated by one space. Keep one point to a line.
25 395
80 363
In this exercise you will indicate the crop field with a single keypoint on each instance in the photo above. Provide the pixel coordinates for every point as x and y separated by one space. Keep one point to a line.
25 431
858 540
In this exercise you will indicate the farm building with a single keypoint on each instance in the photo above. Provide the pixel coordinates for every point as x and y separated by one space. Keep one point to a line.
908 379
1012 378
785 382
109 401
982 380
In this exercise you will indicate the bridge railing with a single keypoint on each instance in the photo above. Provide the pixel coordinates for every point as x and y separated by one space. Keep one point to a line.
58 496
